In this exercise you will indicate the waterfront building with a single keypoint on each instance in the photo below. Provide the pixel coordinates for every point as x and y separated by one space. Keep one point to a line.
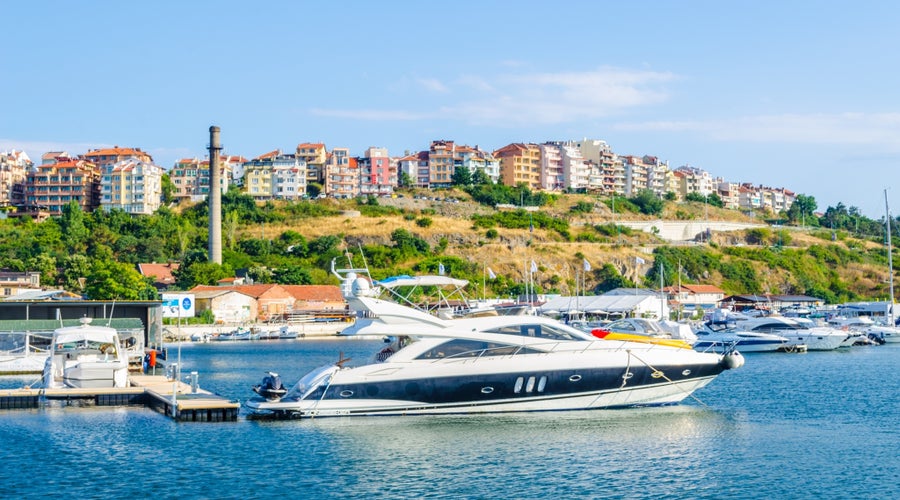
693 297
162 274
14 167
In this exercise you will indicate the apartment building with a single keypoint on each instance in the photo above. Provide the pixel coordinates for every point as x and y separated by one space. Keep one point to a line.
14 167
115 154
53 185
314 155
520 164
190 176
341 174
132 185
377 173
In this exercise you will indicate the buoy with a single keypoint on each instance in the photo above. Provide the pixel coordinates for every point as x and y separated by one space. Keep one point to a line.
733 360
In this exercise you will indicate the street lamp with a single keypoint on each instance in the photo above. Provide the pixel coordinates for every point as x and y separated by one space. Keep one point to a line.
706 214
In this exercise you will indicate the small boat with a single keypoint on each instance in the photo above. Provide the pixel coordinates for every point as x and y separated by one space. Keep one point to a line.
271 387
86 356
816 338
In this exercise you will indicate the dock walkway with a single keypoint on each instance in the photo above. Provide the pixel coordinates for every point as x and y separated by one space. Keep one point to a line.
154 391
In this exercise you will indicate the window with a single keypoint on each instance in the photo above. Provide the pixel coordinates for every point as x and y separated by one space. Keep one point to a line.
462 348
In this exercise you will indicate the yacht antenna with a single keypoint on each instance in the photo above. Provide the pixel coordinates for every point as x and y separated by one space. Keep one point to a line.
887 223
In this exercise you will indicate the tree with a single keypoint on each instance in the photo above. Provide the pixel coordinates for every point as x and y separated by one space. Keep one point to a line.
292 275
75 233
648 203
404 180
461 176
110 280
480 178
802 209
168 189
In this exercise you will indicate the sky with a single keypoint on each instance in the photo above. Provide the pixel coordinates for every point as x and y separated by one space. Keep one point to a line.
795 94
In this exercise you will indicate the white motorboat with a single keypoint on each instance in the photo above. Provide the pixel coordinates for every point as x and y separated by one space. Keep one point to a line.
719 336
815 338
864 325
22 353
86 356
488 364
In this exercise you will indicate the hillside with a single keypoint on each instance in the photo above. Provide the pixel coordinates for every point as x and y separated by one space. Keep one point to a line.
768 260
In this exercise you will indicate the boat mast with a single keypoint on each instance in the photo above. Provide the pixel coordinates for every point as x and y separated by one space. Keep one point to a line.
662 294
887 223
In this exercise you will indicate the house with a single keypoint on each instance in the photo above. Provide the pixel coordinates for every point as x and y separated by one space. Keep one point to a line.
161 274
692 297
14 283
227 306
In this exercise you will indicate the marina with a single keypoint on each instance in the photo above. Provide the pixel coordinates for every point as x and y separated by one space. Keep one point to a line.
748 435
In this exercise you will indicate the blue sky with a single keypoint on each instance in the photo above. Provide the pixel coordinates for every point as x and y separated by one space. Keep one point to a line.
801 95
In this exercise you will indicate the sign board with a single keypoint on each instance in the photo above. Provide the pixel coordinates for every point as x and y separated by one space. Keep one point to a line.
178 305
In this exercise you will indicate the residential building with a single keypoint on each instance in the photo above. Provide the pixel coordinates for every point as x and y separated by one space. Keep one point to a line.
377 173
54 185
190 176
314 155
227 306
54 156
729 193
131 185
520 164
316 299
115 154
694 180
14 283
552 175
14 167
275 175
441 163
692 297
416 167
475 159
341 174
162 274
576 170
635 175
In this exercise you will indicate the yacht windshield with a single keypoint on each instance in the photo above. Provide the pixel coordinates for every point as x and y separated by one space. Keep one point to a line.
537 330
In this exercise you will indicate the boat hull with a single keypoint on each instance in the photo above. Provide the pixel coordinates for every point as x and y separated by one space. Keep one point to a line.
357 392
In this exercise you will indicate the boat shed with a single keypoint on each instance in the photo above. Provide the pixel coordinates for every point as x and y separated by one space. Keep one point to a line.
769 302
621 302
147 312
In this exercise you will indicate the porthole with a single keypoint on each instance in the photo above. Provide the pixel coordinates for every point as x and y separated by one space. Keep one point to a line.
574 378
542 383
519 383
346 394
686 373
530 386
487 390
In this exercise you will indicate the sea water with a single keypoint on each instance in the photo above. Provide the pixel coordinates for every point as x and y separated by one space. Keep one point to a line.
813 425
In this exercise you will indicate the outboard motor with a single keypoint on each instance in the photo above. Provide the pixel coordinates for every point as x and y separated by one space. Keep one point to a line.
271 387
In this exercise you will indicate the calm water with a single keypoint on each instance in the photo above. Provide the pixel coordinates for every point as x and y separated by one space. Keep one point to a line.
814 425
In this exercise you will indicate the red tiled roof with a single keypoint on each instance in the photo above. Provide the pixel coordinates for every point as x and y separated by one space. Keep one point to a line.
324 293
162 272
254 291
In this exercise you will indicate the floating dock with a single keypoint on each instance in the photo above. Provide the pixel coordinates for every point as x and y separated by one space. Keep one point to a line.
189 403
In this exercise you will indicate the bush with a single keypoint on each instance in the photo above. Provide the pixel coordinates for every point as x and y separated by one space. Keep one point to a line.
424 222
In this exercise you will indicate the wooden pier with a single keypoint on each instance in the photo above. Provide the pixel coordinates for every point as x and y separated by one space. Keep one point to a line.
153 391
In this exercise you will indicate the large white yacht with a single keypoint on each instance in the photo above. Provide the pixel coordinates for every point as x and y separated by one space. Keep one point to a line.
86 356
487 364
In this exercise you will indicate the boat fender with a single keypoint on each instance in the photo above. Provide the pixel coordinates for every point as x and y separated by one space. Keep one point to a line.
732 360
152 361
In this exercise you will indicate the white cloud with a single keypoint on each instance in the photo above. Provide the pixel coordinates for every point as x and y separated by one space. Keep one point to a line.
432 84
369 114
536 98
862 129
